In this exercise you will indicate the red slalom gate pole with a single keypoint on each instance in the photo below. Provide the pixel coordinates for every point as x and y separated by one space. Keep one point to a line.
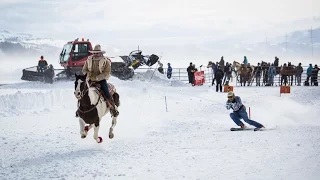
249 113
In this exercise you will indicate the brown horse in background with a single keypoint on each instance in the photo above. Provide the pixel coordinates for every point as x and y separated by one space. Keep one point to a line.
292 71
237 68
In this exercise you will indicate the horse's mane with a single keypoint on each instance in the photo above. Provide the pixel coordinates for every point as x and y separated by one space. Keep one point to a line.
92 94
236 62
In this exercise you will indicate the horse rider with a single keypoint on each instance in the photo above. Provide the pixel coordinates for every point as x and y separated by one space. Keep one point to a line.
245 60
98 69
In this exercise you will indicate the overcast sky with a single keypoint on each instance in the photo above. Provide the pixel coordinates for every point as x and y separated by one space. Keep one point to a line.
156 20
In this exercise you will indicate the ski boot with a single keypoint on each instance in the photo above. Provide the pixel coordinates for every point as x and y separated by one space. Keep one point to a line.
243 126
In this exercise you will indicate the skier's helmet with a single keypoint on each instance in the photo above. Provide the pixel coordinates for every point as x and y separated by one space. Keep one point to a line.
230 95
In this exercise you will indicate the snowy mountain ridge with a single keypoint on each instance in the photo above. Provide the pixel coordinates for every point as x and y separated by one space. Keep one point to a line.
296 45
28 40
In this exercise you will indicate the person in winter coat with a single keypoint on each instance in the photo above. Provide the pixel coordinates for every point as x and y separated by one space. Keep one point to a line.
309 71
98 69
169 71
299 71
227 74
214 67
42 65
257 72
239 112
271 73
314 75
218 76
245 60
193 70
221 63
190 73
276 61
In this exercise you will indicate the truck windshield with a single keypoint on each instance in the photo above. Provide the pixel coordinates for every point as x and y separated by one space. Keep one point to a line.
65 53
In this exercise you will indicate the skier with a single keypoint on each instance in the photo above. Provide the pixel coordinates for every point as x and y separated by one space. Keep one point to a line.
239 112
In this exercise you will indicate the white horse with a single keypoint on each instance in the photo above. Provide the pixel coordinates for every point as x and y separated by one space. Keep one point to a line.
92 107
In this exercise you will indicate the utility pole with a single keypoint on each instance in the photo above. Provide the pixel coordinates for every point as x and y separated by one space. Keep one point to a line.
311 41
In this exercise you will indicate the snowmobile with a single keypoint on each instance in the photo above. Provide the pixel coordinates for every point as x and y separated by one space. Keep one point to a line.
137 59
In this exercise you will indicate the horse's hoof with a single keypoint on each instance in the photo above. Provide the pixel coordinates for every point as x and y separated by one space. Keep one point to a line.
111 135
83 136
99 140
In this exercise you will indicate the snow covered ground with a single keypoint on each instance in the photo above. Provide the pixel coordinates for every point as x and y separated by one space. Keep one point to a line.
40 136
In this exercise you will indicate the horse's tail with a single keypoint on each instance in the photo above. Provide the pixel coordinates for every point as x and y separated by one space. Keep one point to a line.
116 99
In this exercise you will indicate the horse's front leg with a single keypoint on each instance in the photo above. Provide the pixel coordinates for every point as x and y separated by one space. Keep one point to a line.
83 132
95 134
114 122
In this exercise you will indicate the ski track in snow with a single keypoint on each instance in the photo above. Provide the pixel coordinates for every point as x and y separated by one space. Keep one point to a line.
40 136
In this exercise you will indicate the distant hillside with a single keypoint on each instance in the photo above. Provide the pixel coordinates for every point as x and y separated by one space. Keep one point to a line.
17 44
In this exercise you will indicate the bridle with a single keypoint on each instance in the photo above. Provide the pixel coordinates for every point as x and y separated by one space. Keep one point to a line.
82 93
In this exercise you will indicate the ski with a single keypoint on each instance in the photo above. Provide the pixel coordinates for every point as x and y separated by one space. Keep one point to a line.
259 129
247 129
241 129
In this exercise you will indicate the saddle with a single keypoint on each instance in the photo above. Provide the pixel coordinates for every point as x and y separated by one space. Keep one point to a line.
112 102
101 92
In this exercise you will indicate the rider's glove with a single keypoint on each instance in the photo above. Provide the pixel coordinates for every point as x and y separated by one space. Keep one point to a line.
228 105
93 78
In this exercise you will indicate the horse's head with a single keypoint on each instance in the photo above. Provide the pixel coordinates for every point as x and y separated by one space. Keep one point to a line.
79 86
234 64
210 63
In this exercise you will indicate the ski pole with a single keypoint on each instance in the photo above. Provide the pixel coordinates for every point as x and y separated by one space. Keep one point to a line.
249 113
165 101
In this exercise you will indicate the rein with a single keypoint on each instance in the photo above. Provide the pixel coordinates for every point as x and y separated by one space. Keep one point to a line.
90 108
82 94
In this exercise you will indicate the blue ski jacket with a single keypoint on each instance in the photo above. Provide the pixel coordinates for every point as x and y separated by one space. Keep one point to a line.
169 71
309 70
236 104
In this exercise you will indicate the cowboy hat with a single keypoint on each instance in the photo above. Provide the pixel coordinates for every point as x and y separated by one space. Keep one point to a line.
97 49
